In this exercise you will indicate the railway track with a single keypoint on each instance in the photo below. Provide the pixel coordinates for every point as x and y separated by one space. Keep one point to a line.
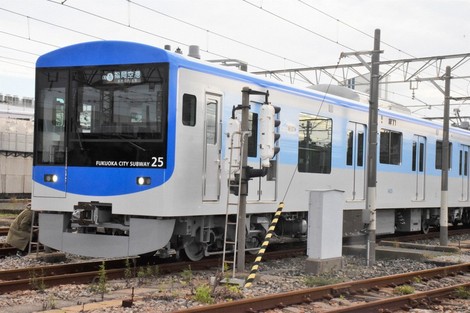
4 230
454 231
87 272
371 295
6 250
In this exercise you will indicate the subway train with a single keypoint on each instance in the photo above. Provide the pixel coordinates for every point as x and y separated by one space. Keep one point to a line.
140 150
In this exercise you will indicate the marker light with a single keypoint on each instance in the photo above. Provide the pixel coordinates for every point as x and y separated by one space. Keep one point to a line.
51 178
143 181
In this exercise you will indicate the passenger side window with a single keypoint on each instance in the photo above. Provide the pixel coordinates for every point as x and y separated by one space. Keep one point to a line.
189 110
390 147
315 137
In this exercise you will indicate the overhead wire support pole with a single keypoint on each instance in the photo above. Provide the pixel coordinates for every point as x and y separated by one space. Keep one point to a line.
245 128
241 237
443 218
372 150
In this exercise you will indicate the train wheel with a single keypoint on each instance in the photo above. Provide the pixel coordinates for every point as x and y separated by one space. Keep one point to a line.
253 244
193 248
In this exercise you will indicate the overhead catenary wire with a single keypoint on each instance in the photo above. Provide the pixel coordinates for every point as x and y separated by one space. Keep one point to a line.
318 34
129 25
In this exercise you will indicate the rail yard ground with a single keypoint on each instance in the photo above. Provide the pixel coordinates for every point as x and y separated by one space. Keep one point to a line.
178 291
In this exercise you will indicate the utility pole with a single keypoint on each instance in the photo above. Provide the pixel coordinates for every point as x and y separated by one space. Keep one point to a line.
372 151
443 218
241 236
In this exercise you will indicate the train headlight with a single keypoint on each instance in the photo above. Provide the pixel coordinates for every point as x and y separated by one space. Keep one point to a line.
51 178
141 181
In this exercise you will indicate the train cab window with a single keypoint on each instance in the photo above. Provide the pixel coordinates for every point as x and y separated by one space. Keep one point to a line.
189 110
390 147
315 138
102 115
50 117
439 155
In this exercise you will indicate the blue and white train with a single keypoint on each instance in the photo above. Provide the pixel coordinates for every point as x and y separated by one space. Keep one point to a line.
130 155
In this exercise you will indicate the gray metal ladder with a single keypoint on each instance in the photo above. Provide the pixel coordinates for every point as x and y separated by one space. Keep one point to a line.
231 245
34 228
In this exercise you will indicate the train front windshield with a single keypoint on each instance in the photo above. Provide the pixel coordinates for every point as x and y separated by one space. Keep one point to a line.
102 116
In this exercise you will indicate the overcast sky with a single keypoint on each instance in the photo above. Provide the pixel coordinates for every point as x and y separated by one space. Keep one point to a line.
268 35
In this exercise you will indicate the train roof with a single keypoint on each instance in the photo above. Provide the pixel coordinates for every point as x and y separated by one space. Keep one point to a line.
99 53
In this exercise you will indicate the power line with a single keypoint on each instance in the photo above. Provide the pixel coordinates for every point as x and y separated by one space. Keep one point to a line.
129 26
352 27
19 50
298 25
320 35
49 23
212 32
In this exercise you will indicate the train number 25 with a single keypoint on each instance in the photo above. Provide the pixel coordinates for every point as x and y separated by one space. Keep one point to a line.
157 162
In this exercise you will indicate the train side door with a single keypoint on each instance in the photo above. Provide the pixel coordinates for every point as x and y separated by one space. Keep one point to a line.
463 172
355 155
211 170
418 164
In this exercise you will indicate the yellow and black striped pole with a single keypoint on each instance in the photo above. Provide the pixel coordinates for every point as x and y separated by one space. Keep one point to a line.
262 250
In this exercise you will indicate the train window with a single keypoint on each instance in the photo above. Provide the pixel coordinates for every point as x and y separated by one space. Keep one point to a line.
439 155
253 138
417 148
50 117
107 116
211 122
349 149
315 137
390 147
463 162
360 149
355 145
189 110
421 157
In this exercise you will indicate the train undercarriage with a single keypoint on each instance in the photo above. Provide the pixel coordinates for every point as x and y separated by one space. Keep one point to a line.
93 230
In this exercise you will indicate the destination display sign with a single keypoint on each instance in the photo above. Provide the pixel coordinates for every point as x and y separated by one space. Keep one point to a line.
122 77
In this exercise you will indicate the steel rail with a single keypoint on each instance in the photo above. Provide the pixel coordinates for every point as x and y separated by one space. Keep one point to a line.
49 281
405 302
86 272
327 292
4 230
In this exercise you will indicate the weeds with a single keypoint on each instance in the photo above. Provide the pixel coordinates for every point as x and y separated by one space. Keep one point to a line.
50 304
100 283
462 293
128 272
404 290
187 275
316 281
37 282
203 294
146 272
